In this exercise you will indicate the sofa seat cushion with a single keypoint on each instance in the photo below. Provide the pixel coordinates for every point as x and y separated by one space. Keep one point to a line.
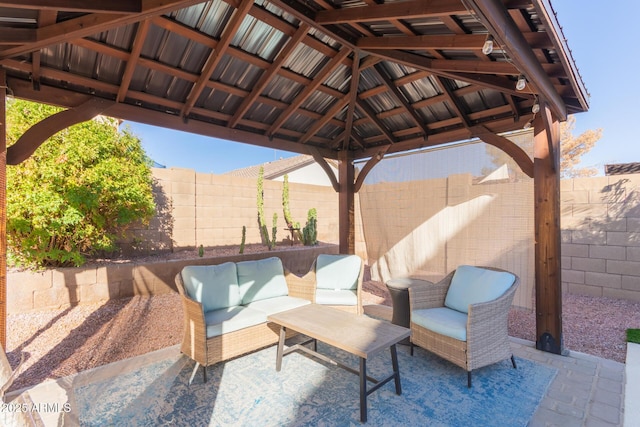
261 279
443 321
473 285
214 286
231 319
336 297
276 305
337 271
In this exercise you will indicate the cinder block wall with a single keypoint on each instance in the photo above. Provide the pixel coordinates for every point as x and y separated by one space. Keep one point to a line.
601 236
204 209
66 287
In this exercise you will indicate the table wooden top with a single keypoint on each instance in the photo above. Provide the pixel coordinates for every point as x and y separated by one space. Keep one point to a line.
359 335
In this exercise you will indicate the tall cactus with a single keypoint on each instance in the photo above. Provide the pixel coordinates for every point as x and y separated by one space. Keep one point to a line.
274 230
264 233
310 231
287 213
244 238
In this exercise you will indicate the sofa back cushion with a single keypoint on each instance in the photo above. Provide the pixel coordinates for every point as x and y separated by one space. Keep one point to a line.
261 279
337 271
472 285
215 286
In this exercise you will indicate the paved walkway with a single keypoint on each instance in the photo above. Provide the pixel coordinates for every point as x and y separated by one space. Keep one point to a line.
587 390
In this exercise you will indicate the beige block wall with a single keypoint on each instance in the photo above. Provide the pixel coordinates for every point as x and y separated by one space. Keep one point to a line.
210 210
601 236
62 288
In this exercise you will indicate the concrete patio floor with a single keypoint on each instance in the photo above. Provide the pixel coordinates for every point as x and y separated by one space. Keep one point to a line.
587 390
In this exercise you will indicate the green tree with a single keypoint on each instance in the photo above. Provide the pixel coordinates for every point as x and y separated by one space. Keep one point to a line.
80 190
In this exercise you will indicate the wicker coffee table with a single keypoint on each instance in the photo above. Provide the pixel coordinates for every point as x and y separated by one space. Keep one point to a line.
358 335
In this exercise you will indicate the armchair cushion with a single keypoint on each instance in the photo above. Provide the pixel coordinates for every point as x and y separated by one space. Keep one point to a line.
261 279
336 297
337 271
214 286
472 285
442 320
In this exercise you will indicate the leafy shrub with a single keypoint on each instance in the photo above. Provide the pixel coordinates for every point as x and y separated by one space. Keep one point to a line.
79 191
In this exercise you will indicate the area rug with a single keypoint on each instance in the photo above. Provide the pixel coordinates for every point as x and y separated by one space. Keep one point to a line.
248 391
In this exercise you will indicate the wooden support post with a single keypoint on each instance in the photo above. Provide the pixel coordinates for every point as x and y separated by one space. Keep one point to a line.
346 203
3 209
547 234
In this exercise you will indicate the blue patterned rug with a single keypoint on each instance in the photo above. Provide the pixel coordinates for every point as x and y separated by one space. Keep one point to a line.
248 391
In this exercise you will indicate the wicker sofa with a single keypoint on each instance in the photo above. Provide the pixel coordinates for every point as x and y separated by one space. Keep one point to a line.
464 317
226 307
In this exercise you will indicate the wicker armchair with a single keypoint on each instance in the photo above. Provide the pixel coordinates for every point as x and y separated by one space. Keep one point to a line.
340 268
486 338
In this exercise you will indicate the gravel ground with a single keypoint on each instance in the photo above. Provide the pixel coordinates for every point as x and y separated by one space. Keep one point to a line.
63 342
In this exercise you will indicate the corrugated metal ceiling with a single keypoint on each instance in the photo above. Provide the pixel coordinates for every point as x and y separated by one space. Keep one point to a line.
415 96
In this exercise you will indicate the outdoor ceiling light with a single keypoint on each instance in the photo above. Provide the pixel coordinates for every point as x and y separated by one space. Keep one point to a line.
536 107
487 48
522 83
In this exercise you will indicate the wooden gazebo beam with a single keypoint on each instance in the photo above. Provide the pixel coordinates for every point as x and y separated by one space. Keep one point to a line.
500 25
546 189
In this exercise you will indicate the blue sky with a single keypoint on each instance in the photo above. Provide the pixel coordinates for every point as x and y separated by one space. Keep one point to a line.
600 38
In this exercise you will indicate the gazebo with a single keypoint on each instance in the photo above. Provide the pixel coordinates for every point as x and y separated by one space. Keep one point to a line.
341 80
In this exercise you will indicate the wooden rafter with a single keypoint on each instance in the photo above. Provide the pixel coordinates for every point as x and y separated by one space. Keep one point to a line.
396 10
16 36
451 42
374 119
110 6
45 18
216 55
141 34
93 23
268 74
335 109
407 108
454 101
352 96
426 64
308 90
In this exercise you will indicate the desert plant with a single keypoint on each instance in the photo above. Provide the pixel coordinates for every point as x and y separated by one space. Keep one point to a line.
264 234
310 230
244 238
274 230
201 251
294 228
